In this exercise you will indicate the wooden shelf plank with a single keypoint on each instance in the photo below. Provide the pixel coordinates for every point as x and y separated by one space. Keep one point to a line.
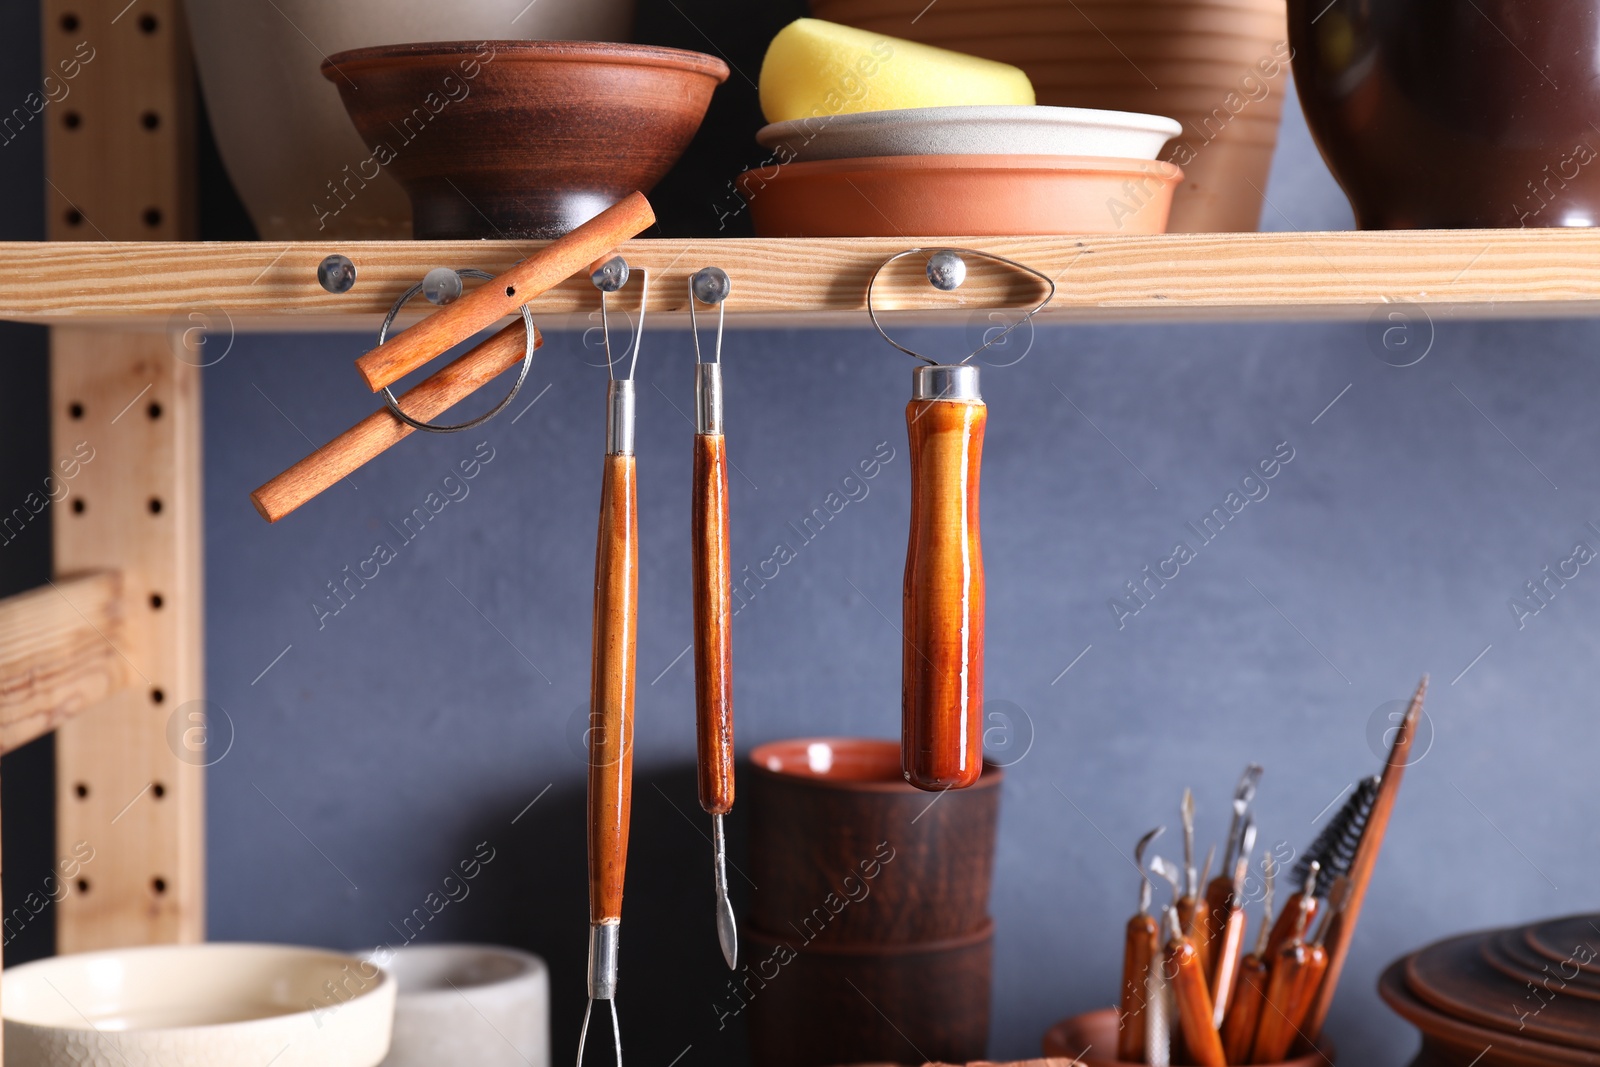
59 654
248 286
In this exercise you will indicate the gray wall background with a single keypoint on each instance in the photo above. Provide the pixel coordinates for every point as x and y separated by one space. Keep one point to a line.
373 752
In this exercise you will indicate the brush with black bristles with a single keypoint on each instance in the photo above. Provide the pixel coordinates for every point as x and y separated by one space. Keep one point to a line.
1334 849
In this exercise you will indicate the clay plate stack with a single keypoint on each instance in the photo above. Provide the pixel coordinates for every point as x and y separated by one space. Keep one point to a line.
1526 996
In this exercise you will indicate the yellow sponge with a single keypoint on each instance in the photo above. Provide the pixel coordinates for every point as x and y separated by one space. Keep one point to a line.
818 68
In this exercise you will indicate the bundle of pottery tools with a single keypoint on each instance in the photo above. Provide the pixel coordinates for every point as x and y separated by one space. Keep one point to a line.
1190 994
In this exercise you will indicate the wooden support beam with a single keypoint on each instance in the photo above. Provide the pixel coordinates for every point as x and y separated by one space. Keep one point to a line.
119 162
58 654
130 780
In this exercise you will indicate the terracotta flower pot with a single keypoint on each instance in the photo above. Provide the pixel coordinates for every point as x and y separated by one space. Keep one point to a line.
279 125
1445 115
1217 66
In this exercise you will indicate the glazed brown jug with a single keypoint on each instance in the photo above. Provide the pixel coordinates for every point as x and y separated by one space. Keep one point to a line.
1444 114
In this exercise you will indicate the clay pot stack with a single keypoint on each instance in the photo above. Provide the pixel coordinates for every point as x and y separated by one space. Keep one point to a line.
1525 996
871 904
1220 67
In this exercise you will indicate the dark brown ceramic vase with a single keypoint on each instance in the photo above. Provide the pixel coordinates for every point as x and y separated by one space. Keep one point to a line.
862 879
1447 114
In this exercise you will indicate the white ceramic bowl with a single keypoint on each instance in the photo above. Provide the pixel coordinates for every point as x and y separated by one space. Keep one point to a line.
218 1005
973 130
468 1006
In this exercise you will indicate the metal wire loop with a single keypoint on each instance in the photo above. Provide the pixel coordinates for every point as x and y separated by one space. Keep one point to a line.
608 284
708 285
872 312
516 386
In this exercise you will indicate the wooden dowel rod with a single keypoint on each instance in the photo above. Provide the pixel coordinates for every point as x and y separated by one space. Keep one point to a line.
379 431
494 300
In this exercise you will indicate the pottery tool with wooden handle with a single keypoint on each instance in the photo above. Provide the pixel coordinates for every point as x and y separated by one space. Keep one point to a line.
1225 950
941 681
456 321
1141 947
1332 850
1250 987
1366 858
713 609
611 682
1186 973
1220 888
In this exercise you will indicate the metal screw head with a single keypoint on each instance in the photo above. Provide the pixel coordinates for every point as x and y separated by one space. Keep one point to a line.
336 274
610 275
441 285
946 270
711 285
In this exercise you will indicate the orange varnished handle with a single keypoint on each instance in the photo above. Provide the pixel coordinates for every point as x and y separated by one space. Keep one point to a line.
494 300
1189 921
616 615
942 652
1225 960
1244 1015
1187 974
368 438
1284 930
713 614
1209 925
1142 947
1286 1005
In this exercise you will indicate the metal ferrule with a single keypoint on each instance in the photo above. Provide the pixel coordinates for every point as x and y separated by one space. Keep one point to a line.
942 381
603 960
619 417
708 398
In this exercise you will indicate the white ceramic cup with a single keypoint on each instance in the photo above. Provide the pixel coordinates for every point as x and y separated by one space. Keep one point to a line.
477 1005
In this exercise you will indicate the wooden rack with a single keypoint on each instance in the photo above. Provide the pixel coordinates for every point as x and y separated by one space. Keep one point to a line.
109 654
822 281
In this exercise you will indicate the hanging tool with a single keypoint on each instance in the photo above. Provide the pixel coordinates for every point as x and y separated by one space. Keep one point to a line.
713 609
487 304
1250 988
1140 948
1188 979
1227 947
611 684
1366 858
941 683
1219 889
1334 850
1276 1030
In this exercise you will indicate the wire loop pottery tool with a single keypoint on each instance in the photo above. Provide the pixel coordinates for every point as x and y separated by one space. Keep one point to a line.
713 609
1220 889
611 684
942 636
455 321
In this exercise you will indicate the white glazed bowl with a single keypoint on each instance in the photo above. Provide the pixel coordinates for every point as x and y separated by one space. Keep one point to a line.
217 1005
972 130
468 1006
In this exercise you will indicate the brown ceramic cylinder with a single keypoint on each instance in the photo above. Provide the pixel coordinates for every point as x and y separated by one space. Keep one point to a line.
814 1005
844 852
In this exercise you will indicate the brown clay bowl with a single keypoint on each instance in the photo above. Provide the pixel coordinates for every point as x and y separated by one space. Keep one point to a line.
520 139
1097 1032
981 196
843 851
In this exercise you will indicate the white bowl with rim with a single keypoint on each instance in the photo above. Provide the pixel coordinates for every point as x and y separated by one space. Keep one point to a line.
972 130
211 1005
465 1005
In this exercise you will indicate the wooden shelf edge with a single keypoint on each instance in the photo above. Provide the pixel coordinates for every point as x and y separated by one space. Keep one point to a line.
221 288
59 653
